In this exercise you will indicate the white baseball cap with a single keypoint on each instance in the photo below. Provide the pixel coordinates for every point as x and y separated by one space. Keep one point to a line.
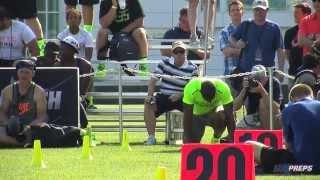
263 4
179 44
72 42
262 73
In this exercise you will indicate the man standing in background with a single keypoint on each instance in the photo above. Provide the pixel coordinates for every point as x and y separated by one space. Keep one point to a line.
26 10
294 51
309 29
260 40
15 37
231 53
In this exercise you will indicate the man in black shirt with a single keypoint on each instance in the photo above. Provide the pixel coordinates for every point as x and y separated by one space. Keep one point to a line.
294 52
117 19
182 31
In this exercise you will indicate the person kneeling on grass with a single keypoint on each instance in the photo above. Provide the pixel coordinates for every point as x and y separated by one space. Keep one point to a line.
23 114
301 125
207 102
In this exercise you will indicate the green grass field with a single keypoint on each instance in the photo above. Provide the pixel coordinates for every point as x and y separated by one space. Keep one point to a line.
109 161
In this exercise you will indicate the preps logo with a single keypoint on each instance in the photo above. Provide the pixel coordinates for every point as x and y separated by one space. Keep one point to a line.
293 168
300 168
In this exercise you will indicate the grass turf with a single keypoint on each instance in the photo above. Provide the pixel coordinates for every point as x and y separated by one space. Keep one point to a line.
109 161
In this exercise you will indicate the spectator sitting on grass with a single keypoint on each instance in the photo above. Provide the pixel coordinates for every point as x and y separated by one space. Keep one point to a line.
23 104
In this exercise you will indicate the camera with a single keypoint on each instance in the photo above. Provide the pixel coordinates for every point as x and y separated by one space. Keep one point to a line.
253 82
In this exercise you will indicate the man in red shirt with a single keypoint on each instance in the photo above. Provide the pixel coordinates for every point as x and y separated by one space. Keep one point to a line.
309 29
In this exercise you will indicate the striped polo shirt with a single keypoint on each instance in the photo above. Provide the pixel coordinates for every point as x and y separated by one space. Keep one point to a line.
169 86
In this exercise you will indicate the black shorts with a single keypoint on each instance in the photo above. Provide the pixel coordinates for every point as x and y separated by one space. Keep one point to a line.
23 9
271 157
199 123
164 104
82 2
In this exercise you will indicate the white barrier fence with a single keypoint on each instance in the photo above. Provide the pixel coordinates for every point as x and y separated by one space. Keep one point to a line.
125 95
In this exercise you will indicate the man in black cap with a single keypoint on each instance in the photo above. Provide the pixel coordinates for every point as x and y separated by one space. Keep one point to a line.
23 104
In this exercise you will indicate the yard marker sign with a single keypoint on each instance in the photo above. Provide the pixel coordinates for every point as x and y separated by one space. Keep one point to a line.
273 138
217 162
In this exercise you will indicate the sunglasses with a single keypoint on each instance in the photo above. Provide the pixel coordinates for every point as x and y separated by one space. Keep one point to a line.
182 51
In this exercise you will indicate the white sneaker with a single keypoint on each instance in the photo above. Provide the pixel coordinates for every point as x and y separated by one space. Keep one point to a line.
151 141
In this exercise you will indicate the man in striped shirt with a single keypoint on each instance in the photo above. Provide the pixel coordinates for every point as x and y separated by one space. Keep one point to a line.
171 89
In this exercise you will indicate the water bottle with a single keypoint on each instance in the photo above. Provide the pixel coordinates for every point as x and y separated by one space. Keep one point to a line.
122 4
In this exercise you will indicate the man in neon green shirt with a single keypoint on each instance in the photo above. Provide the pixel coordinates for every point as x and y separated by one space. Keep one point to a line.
203 100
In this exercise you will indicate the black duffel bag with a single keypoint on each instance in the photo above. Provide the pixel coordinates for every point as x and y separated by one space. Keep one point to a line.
123 47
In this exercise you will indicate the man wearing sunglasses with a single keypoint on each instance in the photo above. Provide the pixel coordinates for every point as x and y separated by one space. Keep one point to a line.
171 89
309 29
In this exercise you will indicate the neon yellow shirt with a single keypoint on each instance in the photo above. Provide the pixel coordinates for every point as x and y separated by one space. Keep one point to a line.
192 96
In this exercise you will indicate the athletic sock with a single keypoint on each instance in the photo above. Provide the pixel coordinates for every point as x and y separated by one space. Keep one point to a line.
215 140
90 99
101 71
144 69
88 27
41 44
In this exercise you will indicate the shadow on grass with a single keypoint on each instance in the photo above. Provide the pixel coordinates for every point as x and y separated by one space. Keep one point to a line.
172 151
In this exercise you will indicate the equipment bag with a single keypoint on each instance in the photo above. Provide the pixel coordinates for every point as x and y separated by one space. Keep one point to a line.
123 47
